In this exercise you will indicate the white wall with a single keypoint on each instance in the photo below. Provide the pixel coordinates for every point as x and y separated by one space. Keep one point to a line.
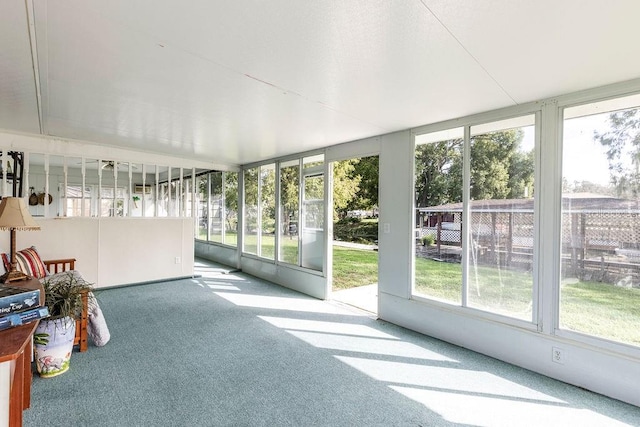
292 277
115 251
225 255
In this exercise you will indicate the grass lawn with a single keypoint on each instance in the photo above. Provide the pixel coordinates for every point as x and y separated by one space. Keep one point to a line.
592 308
354 267
601 309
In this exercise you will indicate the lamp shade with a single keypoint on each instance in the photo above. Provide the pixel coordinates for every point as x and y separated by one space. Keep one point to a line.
14 215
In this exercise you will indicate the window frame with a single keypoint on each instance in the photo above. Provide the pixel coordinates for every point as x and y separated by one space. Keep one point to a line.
483 119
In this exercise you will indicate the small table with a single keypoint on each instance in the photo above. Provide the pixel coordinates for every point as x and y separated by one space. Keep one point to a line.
16 348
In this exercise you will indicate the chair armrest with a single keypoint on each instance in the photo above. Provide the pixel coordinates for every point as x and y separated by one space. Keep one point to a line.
60 265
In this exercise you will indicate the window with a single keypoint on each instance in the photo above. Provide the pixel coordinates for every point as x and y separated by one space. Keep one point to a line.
216 208
481 224
289 211
230 180
216 205
74 200
202 203
299 212
260 205
112 201
438 233
501 218
251 183
600 252
312 224
267 210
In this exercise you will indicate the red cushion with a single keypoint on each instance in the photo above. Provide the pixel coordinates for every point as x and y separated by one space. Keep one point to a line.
28 261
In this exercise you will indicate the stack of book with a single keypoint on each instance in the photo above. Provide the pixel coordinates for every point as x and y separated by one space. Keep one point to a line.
19 306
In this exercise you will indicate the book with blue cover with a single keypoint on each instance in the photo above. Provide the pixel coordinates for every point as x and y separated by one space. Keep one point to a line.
14 299
22 317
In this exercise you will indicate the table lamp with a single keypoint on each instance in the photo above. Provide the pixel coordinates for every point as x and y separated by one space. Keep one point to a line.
15 216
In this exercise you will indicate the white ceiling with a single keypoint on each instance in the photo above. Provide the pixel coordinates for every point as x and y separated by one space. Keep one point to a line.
247 80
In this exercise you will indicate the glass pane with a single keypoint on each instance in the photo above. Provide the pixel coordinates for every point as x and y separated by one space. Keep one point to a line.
216 208
289 205
251 210
74 199
312 227
438 191
202 201
600 273
267 210
231 208
500 250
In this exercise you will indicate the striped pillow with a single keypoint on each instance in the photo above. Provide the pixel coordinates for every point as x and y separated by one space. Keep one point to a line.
28 261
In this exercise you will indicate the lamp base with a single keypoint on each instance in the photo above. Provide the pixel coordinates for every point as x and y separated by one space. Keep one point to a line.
13 276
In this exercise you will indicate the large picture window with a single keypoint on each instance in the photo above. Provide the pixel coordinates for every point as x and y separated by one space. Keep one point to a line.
217 206
474 231
298 215
501 218
600 252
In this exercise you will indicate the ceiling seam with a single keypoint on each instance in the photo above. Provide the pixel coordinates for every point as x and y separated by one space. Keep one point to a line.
34 59
468 52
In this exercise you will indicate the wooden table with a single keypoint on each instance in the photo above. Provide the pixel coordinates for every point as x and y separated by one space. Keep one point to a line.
16 349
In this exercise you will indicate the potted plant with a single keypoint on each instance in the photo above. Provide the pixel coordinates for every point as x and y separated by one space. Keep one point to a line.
54 335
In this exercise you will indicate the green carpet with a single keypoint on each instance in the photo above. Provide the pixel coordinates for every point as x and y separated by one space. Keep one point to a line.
232 350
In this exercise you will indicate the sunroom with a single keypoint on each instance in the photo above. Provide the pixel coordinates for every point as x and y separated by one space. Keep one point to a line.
168 133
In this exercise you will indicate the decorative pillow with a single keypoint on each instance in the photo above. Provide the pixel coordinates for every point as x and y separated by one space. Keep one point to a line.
28 261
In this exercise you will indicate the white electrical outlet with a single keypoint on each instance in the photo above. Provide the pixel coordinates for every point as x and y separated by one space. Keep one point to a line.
386 228
178 260
557 355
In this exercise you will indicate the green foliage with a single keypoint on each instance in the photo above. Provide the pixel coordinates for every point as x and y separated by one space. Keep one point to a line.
366 172
354 230
251 187
438 171
493 160
268 198
345 186
499 169
622 145
349 220
289 196
428 240
63 295
231 199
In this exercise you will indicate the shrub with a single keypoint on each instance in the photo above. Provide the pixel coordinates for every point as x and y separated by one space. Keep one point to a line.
428 240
